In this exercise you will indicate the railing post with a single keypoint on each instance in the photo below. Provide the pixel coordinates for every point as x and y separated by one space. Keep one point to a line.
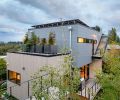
95 87
88 94
41 83
92 90
10 90
28 89
85 90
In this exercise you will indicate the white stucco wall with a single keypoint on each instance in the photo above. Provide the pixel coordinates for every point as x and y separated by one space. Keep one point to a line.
32 64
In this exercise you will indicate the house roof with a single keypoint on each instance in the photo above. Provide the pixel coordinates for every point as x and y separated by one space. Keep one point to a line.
117 47
61 23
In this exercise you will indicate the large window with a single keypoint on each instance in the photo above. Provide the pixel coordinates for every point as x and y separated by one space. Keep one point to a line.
85 40
14 77
84 72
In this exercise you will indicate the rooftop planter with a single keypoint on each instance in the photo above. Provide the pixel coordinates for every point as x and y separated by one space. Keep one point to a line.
27 43
50 48
34 44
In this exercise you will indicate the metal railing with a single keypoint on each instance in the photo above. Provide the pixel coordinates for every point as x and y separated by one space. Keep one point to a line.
90 92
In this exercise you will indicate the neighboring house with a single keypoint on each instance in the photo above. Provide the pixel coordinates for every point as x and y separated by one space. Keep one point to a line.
113 46
3 57
113 49
82 41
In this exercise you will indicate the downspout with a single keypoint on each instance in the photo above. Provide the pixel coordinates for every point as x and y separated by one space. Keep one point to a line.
70 44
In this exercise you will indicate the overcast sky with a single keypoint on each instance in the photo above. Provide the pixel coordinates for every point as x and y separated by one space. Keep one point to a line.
16 16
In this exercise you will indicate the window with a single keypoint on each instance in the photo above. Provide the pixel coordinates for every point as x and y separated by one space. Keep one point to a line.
14 77
80 40
85 40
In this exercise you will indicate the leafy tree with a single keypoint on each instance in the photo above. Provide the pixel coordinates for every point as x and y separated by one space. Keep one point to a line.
51 39
97 28
112 35
34 38
64 79
43 41
25 38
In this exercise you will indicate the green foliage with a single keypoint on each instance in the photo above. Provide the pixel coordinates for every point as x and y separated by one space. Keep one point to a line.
43 41
97 28
25 38
64 78
113 37
34 39
9 47
110 78
51 39
3 64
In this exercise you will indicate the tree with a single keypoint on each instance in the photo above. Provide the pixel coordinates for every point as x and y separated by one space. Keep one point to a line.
51 39
64 80
112 35
25 38
2 63
34 38
43 41
97 28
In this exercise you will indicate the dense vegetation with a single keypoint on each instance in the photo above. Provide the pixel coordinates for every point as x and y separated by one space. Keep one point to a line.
113 36
58 83
9 47
110 78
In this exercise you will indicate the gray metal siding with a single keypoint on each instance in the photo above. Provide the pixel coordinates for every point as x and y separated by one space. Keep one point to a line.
82 52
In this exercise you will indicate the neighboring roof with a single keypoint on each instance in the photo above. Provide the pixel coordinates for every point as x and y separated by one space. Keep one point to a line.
3 57
113 46
61 23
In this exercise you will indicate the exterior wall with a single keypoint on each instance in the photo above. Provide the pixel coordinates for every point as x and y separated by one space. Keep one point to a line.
31 63
95 67
82 52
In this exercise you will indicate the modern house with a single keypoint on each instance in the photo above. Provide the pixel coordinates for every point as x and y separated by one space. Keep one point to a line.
83 42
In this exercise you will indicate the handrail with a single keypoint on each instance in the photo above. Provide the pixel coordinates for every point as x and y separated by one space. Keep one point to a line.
98 44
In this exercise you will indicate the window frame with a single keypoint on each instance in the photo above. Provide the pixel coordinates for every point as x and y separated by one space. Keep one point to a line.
86 40
16 81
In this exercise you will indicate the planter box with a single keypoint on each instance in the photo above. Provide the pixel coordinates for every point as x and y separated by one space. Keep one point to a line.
46 49
39 49
32 49
25 48
50 49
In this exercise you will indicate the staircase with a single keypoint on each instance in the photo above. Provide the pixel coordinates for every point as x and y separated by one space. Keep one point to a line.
90 90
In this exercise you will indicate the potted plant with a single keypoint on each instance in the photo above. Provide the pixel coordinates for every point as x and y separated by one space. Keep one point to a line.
34 40
39 46
43 44
26 44
51 43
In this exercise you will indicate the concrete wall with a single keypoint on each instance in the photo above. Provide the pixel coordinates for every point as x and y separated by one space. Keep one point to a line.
32 64
95 67
82 52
